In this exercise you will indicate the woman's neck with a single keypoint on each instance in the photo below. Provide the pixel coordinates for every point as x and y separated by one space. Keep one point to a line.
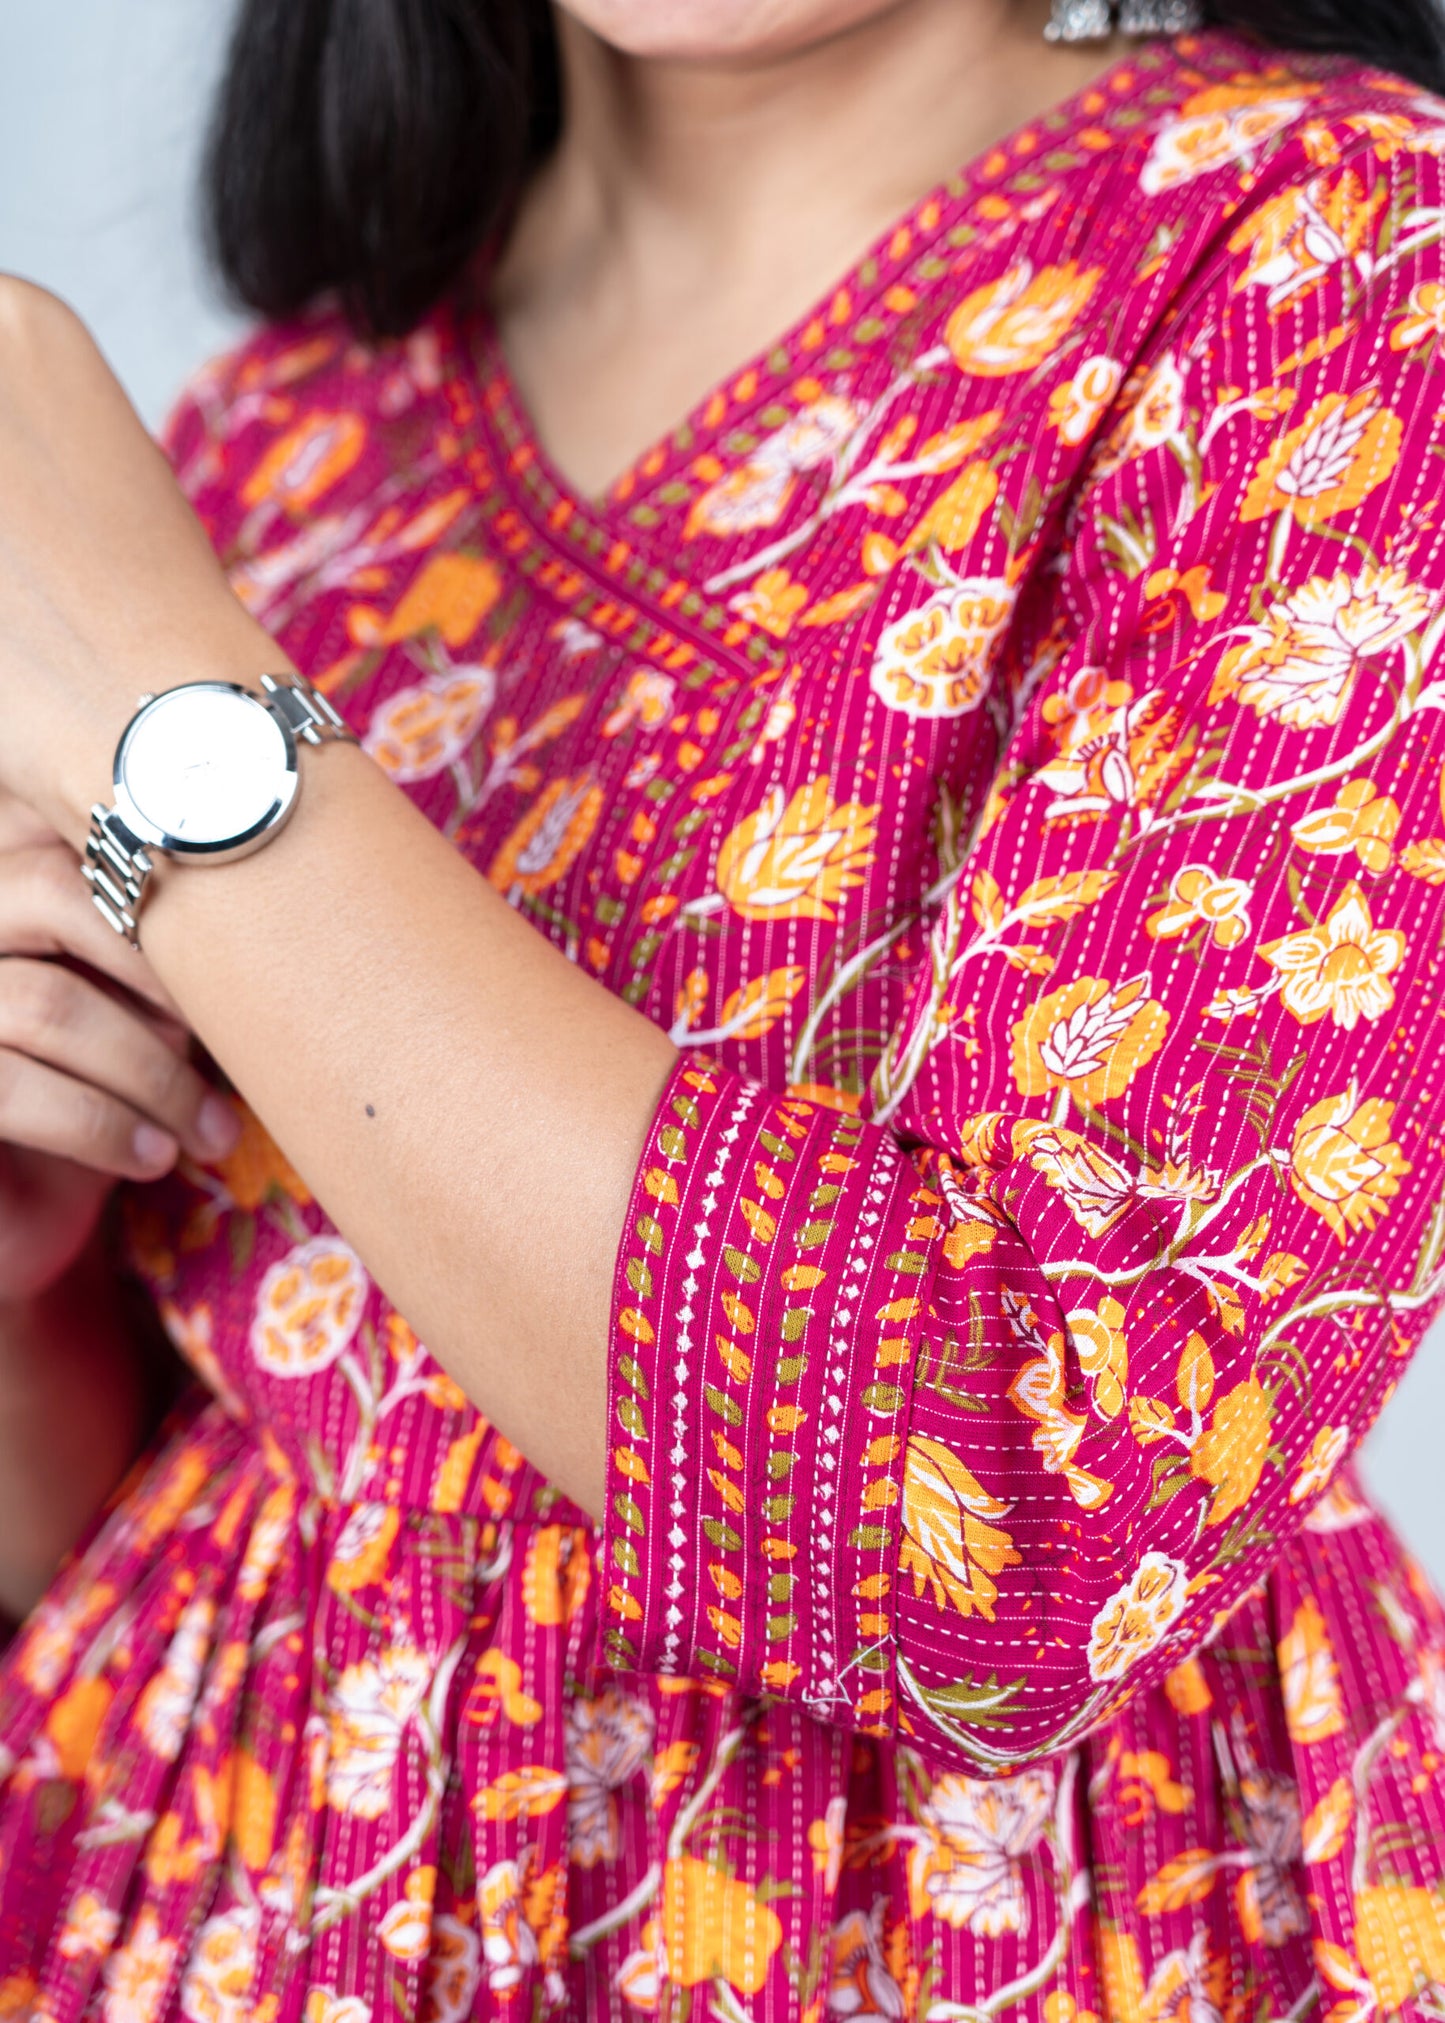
696 207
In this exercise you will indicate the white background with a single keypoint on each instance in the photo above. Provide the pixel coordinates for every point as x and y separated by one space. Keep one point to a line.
102 104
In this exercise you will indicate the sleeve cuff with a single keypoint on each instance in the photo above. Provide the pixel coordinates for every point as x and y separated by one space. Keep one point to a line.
771 1281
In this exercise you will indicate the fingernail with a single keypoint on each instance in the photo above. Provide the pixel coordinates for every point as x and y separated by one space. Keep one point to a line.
154 1147
217 1126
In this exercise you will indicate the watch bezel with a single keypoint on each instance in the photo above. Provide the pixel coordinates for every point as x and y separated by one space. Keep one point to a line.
223 848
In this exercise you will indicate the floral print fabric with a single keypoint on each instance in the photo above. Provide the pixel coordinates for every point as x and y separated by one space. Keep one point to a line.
999 736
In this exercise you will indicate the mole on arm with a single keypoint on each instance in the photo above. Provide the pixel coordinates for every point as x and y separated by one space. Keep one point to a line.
370 1111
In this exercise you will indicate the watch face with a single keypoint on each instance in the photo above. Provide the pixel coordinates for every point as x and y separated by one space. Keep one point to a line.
205 768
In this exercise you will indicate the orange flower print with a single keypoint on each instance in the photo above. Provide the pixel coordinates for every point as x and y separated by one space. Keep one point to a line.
308 1307
509 1943
1136 1619
1400 1937
1295 238
936 661
1310 1678
307 461
1326 1451
715 1928
959 511
450 595
609 1741
257 1167
647 699
1423 320
1016 323
1229 1455
1114 749
405 1930
970 1865
1097 1336
88 1929
1346 445
1157 414
1340 967
755 494
453 1971
419 731
363 1547
773 601
796 859
551 834
951 1543
1360 820
1343 1162
1077 406
1223 124
216 1986
164 1709
1300 664
1200 897
861 1982
1091 1038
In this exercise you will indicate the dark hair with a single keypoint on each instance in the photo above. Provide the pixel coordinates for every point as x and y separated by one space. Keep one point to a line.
368 148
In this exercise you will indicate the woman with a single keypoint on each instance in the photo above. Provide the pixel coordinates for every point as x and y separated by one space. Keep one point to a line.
864 981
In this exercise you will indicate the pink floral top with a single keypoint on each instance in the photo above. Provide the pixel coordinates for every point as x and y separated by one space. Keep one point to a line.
999 735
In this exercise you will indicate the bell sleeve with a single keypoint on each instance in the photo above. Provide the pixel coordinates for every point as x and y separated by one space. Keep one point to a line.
965 1416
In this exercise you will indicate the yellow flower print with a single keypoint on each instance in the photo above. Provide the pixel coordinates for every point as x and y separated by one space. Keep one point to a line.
1295 238
958 512
1340 967
544 844
795 860
1091 1038
405 1931
971 1868
217 1984
1309 1678
1115 749
936 661
307 461
1016 323
1423 319
714 1927
419 731
1076 406
1220 125
1360 820
1300 665
138 1976
1229 1455
450 595
1344 1163
363 1548
1038 1391
1199 896
1097 1334
1326 1451
773 601
1400 1937
950 1541
1346 445
1157 415
89 1928
1133 1621
308 1307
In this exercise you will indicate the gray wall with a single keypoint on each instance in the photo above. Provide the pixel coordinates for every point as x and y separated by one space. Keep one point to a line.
101 103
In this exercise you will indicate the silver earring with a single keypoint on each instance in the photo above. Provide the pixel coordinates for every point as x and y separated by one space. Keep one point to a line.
1160 17
1093 20
1080 21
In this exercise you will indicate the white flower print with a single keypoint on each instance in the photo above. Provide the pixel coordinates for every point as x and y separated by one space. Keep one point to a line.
969 1868
608 1741
860 1986
221 1971
308 1307
164 1710
371 1705
454 1968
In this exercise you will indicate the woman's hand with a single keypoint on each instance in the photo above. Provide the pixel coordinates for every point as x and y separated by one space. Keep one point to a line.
95 1084
108 585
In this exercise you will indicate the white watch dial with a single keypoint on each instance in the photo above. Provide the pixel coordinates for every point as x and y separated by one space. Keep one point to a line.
206 766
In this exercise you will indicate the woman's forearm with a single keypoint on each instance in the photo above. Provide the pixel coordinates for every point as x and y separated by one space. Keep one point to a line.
75 1404
467 1105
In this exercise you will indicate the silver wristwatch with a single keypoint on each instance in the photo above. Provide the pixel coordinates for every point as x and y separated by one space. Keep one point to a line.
204 773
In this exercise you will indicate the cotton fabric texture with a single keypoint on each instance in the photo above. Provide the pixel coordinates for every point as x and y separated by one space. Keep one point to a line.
999 735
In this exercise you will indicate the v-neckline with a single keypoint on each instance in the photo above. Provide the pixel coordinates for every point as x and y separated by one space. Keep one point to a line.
527 465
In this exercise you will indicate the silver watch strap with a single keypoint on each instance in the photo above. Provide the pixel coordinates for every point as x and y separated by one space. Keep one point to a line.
117 866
